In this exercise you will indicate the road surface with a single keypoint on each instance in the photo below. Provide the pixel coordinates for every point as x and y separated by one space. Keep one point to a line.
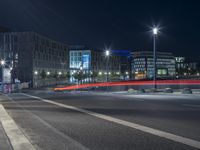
86 120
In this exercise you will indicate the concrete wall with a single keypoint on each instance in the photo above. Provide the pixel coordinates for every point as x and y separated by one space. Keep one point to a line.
48 82
125 88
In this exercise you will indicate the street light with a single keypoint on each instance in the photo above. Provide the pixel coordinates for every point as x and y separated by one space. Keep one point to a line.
2 69
155 33
107 61
36 72
81 68
107 52
3 62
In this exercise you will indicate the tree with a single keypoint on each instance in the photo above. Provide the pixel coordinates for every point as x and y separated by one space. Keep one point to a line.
94 75
55 75
78 76
115 75
67 75
43 74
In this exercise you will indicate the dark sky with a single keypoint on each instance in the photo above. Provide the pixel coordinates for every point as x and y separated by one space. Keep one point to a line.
118 24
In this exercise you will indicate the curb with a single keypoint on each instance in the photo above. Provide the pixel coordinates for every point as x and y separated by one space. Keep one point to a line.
14 134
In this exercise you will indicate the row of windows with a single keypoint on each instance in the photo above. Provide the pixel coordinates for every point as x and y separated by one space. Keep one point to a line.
8 38
49 65
50 51
46 57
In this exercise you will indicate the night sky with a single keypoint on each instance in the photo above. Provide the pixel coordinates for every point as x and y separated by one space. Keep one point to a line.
117 24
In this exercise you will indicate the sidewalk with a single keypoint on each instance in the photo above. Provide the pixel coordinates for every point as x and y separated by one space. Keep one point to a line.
4 141
11 137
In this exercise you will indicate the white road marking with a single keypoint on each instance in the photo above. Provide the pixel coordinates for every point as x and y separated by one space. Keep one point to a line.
72 144
190 105
163 134
15 135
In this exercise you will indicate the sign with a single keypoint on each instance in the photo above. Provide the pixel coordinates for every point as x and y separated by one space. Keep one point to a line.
6 75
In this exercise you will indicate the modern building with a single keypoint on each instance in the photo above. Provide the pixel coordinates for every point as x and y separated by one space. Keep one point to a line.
32 56
91 61
143 65
185 66
125 63
180 62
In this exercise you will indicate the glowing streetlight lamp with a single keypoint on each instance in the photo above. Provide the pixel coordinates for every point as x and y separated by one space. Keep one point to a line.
36 72
107 52
81 68
3 62
155 31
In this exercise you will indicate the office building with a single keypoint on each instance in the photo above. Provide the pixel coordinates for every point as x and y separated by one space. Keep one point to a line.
33 57
143 65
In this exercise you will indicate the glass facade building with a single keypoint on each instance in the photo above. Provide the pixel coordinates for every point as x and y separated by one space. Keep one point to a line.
80 58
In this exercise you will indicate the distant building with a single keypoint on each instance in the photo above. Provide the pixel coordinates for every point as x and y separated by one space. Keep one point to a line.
32 56
180 62
185 66
143 68
93 61
125 63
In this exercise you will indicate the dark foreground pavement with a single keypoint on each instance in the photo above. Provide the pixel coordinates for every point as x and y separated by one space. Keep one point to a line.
52 127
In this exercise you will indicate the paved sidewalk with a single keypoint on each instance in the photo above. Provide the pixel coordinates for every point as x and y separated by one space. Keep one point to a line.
4 142
11 137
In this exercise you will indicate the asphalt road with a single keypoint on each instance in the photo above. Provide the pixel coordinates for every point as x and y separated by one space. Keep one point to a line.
52 127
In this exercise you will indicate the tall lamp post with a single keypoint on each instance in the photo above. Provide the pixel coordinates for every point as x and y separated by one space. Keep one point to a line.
107 61
2 69
155 32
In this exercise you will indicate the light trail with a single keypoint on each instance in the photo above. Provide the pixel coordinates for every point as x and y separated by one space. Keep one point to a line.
127 83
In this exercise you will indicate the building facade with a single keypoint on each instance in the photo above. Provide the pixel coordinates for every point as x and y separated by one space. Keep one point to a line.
30 55
143 65
92 61
187 67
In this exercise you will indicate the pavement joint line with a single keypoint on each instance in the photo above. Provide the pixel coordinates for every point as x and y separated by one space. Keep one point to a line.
156 132
15 135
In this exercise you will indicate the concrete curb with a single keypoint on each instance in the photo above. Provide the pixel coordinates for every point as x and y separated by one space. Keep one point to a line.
15 135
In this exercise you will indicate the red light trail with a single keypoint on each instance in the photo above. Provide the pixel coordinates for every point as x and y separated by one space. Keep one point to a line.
134 83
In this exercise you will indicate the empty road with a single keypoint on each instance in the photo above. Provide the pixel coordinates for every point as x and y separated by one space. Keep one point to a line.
100 121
